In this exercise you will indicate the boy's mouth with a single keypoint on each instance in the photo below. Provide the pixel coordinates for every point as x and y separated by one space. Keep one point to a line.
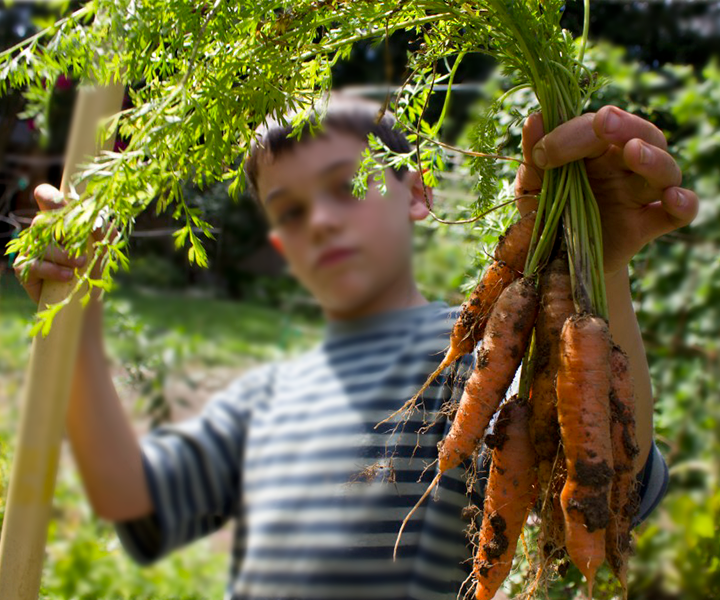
332 256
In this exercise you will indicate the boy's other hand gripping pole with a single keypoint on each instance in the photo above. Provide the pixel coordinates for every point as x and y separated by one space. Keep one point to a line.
47 388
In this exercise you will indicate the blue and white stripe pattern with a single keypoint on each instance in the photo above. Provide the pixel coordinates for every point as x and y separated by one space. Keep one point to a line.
290 451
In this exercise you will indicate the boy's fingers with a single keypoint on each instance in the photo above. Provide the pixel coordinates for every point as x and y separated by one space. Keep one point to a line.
529 178
570 141
657 167
61 257
608 166
639 190
617 126
48 197
43 269
678 207
532 133
526 204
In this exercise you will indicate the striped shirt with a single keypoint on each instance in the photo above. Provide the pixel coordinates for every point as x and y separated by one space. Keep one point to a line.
292 453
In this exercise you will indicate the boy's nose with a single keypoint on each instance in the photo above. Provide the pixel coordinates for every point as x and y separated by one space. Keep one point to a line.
325 213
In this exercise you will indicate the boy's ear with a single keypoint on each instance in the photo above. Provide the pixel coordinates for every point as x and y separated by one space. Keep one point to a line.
276 242
419 208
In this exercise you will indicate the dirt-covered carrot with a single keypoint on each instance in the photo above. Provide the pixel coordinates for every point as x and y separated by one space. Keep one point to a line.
624 497
583 389
513 245
510 255
509 494
556 305
503 345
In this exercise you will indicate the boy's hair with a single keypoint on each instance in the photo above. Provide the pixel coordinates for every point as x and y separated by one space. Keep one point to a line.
345 113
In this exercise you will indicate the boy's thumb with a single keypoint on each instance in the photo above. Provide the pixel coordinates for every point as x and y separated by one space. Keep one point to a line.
49 197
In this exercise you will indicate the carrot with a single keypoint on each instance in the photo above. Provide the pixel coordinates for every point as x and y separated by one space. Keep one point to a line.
513 245
556 305
510 255
509 495
624 497
503 346
583 389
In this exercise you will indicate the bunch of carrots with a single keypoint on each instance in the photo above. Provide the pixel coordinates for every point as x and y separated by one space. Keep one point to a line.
565 449
565 445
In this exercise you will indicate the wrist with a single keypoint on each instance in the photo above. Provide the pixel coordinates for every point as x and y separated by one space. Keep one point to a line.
618 279
92 324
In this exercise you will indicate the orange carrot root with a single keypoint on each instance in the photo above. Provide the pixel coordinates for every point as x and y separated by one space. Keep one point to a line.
556 305
510 493
624 497
514 244
583 389
503 346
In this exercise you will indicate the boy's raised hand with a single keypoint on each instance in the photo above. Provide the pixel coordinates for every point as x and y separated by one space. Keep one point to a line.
634 179
56 263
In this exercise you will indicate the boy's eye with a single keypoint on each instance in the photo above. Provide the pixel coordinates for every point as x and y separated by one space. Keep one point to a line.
290 215
344 188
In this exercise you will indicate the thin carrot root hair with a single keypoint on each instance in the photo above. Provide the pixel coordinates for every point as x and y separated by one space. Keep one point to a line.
551 541
432 485
409 406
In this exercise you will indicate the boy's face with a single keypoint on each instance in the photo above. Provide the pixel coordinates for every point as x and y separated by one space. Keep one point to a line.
346 252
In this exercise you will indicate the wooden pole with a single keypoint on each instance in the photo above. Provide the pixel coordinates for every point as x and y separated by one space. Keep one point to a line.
47 388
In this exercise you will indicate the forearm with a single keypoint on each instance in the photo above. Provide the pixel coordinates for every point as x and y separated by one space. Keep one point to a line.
626 333
104 444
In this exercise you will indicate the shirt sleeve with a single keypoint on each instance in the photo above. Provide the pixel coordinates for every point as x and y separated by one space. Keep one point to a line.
192 469
653 479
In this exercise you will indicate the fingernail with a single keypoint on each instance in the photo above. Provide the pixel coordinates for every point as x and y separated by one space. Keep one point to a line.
539 157
644 154
66 273
680 200
612 122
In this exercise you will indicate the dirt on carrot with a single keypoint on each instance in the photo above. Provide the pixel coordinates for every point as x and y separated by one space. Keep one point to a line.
624 497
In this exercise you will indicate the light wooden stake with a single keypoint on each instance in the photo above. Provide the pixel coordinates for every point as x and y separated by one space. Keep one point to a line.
47 388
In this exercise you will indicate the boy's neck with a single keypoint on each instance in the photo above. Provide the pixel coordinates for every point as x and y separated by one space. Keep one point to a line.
404 293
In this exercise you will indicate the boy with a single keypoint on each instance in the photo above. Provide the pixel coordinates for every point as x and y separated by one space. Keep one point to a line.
290 450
